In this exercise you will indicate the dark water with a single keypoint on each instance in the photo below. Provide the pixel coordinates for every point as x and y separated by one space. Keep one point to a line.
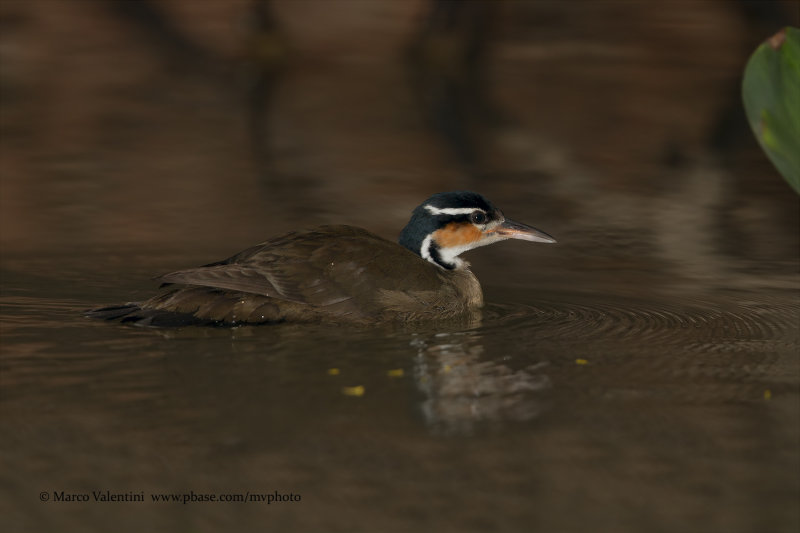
641 375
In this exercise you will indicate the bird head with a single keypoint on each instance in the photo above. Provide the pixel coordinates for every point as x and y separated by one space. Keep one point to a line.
449 223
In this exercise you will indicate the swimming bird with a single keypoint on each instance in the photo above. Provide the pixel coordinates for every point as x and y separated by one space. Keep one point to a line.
340 274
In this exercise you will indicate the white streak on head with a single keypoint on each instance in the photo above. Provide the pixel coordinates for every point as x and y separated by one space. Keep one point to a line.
453 211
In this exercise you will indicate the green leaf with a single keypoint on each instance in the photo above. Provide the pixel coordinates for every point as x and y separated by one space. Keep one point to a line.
771 95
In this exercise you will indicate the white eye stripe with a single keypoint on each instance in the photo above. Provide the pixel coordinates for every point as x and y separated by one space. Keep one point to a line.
452 210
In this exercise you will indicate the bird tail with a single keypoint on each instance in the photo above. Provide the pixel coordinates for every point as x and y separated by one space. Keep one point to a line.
114 312
133 313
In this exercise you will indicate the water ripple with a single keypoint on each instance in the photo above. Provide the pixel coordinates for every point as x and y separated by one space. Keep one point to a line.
697 323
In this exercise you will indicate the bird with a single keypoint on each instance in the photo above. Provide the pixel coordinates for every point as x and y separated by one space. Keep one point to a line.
339 274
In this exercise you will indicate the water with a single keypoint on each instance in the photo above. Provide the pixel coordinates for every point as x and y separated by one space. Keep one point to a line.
610 405
640 375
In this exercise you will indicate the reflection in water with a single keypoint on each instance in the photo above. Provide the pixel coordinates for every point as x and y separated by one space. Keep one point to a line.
447 66
157 29
267 54
462 390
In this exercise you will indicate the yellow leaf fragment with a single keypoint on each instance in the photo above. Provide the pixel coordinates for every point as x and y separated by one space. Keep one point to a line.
581 362
396 373
767 394
777 40
333 371
358 390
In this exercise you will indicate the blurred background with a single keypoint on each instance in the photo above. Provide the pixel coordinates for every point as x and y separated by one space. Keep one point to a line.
140 137
148 123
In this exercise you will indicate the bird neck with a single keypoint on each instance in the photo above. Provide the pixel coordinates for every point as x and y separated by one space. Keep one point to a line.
417 237
446 258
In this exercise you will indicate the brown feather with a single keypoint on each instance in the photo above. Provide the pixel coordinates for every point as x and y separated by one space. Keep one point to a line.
332 273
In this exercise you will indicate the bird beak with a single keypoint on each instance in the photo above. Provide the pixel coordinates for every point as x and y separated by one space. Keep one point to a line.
516 230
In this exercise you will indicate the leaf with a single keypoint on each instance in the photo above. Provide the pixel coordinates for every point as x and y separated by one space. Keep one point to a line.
771 96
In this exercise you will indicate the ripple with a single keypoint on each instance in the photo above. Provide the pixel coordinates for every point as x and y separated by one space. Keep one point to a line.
701 324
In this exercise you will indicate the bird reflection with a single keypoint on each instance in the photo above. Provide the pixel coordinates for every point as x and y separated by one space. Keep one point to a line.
267 53
463 391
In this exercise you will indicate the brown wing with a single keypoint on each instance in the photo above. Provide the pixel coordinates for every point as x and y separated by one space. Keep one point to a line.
323 267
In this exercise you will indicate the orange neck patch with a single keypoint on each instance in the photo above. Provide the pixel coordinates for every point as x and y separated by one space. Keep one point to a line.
457 234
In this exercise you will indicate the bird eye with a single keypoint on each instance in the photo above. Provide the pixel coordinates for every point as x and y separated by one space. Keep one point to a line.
478 217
